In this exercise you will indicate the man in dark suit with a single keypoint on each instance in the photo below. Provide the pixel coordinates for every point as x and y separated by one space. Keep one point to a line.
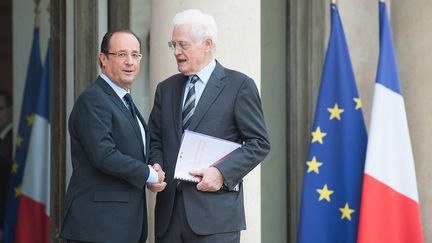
5 151
225 104
106 200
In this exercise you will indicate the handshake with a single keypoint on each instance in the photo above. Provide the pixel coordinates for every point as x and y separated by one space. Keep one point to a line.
161 184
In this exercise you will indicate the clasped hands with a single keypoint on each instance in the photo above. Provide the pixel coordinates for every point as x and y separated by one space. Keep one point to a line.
161 184
211 179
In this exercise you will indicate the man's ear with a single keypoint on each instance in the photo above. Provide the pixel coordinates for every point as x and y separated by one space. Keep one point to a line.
102 59
208 44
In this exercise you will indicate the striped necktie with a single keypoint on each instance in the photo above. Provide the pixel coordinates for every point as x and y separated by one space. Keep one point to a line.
189 105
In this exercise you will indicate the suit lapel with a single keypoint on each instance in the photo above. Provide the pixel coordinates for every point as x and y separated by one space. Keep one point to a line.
209 95
121 106
177 98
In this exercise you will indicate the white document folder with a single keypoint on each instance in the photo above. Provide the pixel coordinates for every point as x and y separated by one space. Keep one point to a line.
198 151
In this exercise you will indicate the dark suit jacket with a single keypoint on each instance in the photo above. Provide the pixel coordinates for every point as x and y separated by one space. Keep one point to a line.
229 108
5 169
105 200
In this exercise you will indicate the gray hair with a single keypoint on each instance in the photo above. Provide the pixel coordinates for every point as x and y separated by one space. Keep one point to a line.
203 26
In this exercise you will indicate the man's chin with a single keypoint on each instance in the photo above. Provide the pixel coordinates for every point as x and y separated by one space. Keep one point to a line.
184 71
182 68
128 80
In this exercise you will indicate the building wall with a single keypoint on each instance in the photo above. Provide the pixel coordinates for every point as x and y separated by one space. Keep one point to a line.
412 26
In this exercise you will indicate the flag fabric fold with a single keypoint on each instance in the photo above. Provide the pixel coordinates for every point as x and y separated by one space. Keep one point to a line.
33 224
390 210
28 107
335 161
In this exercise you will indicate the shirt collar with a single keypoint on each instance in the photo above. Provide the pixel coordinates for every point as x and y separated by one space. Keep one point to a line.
5 131
206 72
117 89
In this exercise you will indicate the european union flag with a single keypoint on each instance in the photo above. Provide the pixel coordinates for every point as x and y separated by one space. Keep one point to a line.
335 162
28 107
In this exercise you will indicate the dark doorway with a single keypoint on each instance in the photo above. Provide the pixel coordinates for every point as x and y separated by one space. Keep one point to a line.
6 45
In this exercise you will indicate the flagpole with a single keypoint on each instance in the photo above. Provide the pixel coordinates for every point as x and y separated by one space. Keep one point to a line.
37 13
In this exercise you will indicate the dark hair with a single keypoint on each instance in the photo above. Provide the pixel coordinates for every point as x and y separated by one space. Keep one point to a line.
7 97
104 48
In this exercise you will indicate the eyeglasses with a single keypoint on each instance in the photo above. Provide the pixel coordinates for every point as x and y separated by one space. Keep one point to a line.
182 44
124 55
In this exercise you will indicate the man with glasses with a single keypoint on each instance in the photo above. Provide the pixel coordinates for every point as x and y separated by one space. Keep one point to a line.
105 200
207 98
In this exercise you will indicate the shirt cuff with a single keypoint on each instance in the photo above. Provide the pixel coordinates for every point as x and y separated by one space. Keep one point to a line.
153 176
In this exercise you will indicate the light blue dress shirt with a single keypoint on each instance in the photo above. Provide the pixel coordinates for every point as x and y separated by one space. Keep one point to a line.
204 76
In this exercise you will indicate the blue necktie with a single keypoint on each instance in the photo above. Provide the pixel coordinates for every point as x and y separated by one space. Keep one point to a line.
130 104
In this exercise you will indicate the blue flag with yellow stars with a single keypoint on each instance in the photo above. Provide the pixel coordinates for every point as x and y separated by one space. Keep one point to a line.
334 168
28 108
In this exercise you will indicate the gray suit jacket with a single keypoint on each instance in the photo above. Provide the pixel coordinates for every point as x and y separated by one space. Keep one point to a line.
229 108
105 200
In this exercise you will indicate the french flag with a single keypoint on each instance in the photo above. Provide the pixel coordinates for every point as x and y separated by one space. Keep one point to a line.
33 223
390 210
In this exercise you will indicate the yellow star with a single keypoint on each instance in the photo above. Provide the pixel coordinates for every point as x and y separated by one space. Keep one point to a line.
17 191
318 136
15 167
19 140
313 165
335 112
30 119
324 193
346 212
358 103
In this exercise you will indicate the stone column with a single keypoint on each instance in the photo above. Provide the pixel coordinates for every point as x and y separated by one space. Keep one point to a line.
274 179
118 14
86 44
238 48
306 43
